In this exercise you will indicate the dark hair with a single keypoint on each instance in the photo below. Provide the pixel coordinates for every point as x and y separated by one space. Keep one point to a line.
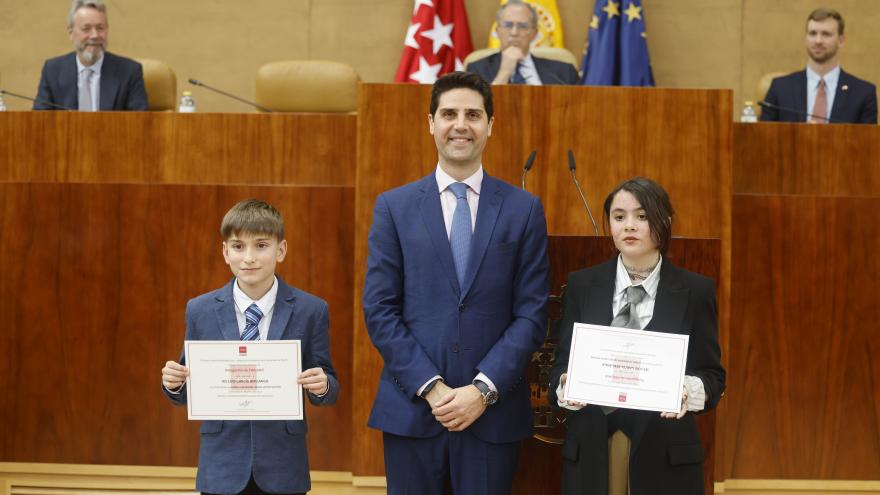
654 200
821 14
252 216
455 80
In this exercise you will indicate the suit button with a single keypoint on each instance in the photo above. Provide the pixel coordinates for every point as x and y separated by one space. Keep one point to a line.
454 347
461 307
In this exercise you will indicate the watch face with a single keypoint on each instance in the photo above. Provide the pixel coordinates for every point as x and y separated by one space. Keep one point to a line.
491 397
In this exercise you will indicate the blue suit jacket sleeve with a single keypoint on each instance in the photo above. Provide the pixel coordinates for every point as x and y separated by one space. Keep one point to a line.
505 362
404 357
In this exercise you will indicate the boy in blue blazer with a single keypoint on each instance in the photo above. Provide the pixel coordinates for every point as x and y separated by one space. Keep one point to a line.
254 457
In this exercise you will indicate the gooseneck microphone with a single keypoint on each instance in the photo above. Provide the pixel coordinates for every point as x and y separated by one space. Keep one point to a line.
37 100
572 169
196 82
528 166
773 106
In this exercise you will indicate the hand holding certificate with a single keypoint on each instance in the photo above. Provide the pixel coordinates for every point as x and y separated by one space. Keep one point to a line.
249 380
621 367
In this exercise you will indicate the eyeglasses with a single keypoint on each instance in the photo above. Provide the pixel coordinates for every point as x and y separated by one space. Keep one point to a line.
509 25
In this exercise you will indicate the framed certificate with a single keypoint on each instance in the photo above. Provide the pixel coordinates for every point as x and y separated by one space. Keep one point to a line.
622 367
250 380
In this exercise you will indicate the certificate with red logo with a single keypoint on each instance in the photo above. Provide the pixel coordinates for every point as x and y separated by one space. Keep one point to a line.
243 380
622 367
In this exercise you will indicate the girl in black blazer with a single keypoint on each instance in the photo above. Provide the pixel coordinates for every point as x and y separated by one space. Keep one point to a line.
666 456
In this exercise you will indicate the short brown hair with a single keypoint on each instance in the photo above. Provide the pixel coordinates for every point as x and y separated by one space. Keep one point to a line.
655 201
822 13
466 80
252 216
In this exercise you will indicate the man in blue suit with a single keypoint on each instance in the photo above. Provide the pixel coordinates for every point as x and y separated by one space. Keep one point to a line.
455 302
823 92
256 457
517 26
90 79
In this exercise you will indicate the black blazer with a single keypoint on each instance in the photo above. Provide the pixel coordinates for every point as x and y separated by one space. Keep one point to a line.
550 71
855 100
666 456
122 84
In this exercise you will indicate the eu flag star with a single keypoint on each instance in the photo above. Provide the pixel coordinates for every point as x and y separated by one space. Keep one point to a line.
594 23
633 12
612 9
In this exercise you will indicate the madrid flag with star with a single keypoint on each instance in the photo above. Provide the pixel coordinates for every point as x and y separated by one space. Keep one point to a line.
437 41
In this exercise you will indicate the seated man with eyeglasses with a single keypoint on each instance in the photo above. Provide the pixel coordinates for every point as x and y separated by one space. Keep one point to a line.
517 26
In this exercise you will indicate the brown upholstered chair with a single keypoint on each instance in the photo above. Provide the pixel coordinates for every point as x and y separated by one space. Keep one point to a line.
307 86
552 53
161 84
763 86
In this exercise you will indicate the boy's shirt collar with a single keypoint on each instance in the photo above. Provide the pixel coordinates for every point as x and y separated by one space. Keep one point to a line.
265 303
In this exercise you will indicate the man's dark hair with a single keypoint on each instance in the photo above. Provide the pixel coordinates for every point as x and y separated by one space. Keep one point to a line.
467 80
822 13
654 200
252 217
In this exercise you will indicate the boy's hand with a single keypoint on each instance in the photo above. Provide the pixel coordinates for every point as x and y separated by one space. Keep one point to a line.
314 380
173 375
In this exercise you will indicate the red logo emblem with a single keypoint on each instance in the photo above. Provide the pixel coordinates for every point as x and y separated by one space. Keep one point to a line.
242 350
621 397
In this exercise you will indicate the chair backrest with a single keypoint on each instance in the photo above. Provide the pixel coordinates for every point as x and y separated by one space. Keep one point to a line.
552 53
161 84
307 86
763 86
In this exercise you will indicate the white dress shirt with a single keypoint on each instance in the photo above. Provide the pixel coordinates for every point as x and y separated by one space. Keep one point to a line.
529 72
265 303
95 90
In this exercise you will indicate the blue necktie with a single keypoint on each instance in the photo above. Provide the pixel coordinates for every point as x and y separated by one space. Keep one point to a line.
252 316
517 75
460 234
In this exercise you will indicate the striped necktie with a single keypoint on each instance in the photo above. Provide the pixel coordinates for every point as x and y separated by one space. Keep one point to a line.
252 316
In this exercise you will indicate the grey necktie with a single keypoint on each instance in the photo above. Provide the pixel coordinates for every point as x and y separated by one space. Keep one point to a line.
85 90
628 318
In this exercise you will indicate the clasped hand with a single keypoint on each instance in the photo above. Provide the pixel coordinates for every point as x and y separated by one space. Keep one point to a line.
455 408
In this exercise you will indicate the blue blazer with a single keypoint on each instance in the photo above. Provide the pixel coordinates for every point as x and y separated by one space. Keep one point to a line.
550 71
855 101
274 451
122 84
664 452
424 324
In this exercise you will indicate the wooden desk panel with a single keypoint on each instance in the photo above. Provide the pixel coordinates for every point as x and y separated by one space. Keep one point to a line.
93 298
804 381
170 148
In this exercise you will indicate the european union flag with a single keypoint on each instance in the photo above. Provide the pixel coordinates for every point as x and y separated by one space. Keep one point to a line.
617 51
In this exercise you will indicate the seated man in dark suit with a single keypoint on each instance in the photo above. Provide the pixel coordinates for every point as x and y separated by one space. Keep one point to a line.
91 79
822 92
517 27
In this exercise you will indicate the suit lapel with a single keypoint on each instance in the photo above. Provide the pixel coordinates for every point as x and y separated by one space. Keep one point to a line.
800 94
225 311
284 304
109 83
840 95
596 307
69 82
487 216
432 217
671 302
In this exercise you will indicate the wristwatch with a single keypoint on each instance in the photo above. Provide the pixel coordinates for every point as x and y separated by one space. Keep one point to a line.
489 396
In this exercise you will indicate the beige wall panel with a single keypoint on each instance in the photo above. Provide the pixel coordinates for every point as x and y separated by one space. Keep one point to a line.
773 38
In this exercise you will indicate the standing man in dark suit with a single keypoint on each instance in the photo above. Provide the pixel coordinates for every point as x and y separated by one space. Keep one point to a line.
455 301
517 24
91 79
823 92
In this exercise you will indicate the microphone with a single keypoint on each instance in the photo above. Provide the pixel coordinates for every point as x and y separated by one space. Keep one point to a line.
773 106
196 82
37 100
528 166
572 168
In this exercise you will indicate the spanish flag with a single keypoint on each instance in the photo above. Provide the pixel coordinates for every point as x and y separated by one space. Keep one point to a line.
549 25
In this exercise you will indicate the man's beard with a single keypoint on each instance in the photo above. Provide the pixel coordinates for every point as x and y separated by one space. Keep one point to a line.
822 58
91 56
